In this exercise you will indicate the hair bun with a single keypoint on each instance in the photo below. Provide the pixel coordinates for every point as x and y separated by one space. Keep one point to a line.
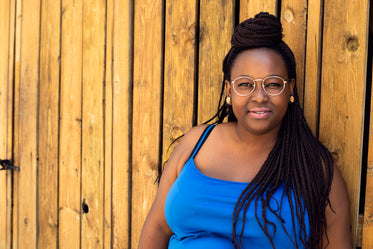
262 30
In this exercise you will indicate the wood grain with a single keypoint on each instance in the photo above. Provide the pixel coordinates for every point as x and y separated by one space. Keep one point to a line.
4 52
147 108
10 119
108 124
343 91
367 238
179 70
17 55
313 64
216 28
7 9
70 125
122 45
92 124
89 137
294 24
48 125
252 7
26 110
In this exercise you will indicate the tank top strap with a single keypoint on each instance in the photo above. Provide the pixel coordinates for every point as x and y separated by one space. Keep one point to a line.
202 139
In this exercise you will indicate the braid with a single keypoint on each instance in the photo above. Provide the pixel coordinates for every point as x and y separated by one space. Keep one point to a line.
298 161
264 30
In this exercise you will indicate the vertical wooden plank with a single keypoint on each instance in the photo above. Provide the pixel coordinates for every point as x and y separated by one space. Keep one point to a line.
252 7
70 125
25 146
7 9
148 22
313 64
368 209
108 147
367 228
179 85
216 27
294 24
122 45
17 52
92 123
4 53
48 124
10 113
343 91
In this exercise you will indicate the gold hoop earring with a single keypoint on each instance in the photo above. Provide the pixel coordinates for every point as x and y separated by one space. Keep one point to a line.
291 99
228 100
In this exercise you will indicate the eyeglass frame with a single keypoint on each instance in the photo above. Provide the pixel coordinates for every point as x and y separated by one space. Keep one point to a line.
255 80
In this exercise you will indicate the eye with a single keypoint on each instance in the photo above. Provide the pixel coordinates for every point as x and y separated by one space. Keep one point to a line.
244 83
273 83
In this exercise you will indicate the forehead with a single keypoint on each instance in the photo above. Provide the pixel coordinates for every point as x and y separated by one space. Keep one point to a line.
259 63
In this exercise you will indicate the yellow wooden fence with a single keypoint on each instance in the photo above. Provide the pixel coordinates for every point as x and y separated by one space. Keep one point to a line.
92 92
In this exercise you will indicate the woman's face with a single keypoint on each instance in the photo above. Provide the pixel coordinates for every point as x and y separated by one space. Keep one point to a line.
260 113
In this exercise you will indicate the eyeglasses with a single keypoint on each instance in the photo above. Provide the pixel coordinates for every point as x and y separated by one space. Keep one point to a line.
245 85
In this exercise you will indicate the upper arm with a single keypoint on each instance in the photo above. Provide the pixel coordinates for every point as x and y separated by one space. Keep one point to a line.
338 216
156 220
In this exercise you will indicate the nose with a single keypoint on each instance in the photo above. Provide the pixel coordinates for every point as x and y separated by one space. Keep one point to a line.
259 95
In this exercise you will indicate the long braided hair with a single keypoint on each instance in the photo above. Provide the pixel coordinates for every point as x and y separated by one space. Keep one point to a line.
298 160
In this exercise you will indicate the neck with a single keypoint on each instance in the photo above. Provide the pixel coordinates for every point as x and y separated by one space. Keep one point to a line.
255 141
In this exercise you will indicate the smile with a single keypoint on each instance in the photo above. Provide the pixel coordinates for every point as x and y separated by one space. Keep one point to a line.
259 114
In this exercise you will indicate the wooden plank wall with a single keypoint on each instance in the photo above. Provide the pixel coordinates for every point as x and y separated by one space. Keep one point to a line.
26 86
7 13
69 147
92 93
343 81
47 139
368 208
368 217
146 124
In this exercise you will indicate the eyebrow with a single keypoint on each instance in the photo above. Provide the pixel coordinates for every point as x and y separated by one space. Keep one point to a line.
244 75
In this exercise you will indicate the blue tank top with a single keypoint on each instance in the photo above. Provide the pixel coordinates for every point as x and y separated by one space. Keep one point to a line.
199 211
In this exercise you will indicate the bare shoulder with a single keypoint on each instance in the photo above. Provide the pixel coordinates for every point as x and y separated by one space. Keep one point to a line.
156 229
338 216
191 137
338 191
185 147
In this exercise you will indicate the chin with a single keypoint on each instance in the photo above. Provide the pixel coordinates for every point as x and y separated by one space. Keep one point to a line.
262 130
259 132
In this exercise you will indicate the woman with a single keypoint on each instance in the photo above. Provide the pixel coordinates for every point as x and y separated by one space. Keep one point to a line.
260 180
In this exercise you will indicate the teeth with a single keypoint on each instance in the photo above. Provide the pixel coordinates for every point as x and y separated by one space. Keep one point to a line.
260 112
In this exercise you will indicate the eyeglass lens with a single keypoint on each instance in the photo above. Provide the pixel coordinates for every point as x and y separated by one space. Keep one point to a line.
271 85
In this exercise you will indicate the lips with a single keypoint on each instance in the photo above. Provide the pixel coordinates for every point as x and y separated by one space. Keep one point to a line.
259 113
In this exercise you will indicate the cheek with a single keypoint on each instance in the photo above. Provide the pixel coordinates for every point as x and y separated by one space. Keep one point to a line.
238 102
282 106
238 106
285 99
